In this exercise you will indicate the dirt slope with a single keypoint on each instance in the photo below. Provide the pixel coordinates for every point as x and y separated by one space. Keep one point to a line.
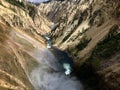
21 32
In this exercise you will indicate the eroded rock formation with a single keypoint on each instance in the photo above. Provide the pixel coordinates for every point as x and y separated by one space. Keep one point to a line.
89 30
21 30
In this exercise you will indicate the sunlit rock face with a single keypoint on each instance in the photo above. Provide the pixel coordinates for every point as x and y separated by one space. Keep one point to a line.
25 16
21 30
89 30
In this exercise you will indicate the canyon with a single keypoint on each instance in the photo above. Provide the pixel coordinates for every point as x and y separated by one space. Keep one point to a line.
86 32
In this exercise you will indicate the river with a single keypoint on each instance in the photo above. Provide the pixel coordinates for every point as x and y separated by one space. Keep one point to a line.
49 75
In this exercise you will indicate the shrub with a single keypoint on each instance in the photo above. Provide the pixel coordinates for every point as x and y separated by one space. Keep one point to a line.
16 3
83 43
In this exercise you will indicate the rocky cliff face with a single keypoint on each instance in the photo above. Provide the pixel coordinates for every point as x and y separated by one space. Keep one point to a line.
21 29
89 31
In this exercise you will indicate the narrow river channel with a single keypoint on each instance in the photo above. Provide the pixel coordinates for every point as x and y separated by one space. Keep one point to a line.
49 75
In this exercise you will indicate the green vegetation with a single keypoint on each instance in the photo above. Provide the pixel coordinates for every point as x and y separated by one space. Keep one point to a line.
78 17
103 50
71 50
74 49
70 33
32 10
1 3
16 3
67 36
106 48
30 7
83 43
